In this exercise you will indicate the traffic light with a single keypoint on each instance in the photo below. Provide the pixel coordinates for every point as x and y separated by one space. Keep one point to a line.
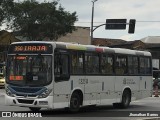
132 23
116 24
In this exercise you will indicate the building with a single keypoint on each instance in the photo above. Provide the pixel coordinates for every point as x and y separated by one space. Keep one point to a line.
107 41
81 35
150 43
153 45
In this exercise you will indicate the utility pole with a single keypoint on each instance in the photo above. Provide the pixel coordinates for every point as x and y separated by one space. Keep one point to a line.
92 20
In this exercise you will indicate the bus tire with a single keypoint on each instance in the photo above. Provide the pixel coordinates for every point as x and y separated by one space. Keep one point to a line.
126 99
35 109
75 102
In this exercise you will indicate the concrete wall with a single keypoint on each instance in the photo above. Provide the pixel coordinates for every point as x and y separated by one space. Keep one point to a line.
81 35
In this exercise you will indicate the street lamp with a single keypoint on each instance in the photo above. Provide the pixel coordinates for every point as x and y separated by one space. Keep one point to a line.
92 20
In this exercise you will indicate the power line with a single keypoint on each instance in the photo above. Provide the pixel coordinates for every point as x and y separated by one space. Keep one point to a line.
147 21
136 21
90 22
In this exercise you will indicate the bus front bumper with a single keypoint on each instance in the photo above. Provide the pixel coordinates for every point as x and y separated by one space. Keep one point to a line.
29 102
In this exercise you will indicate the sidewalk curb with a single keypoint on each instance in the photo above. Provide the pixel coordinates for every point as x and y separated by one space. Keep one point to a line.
158 118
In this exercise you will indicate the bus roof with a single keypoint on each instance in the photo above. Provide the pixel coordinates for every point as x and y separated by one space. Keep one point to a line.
76 46
101 49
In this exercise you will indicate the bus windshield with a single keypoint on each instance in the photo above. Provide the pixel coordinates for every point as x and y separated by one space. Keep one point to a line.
30 70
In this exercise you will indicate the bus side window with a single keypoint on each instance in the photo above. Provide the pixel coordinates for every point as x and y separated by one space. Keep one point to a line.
92 63
145 66
77 63
107 64
133 65
121 65
61 67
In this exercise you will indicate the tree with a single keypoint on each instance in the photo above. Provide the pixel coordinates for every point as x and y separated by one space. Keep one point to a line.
5 7
1 13
37 21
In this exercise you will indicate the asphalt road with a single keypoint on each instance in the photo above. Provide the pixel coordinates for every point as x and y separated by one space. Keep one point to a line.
142 108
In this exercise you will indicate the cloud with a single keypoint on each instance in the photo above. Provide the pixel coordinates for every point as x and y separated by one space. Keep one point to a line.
141 10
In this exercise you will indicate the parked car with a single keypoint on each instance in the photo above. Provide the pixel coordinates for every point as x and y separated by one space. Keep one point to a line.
2 80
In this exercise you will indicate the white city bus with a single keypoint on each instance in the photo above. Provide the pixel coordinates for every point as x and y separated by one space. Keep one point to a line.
65 75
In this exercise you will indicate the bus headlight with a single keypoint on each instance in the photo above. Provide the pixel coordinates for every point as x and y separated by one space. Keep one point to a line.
9 93
45 93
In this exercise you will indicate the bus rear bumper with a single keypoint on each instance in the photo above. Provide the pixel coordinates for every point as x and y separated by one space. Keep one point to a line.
29 102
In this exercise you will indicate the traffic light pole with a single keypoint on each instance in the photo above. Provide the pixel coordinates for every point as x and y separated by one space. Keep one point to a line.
92 22
97 27
130 30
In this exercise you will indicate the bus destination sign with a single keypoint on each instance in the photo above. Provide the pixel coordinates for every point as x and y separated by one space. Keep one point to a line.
30 48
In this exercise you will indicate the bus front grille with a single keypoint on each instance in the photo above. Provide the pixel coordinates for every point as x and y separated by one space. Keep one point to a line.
22 95
25 101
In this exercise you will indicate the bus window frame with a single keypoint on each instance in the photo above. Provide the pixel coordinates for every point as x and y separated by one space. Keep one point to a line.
62 77
126 66
83 55
113 64
99 54
99 67
138 69
145 74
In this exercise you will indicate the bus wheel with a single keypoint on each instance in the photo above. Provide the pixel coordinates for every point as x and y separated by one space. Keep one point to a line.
126 99
75 102
34 108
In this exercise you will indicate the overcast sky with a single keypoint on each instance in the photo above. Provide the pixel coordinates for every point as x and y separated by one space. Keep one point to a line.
141 10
